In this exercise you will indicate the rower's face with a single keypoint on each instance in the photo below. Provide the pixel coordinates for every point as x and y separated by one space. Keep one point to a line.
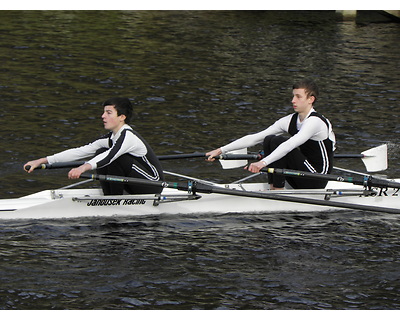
300 101
111 120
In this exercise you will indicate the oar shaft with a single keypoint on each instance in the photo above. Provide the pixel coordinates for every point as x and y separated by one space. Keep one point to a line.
182 156
129 180
348 156
367 180
232 156
229 156
303 174
320 202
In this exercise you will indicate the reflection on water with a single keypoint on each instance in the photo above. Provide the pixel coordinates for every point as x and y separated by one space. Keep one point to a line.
198 79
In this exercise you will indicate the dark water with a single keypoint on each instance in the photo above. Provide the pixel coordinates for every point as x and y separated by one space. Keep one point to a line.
197 79
345 260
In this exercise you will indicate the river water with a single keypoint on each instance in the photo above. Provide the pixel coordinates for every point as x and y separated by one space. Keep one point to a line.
197 79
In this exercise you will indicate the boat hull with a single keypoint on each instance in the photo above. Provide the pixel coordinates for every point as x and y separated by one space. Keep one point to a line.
73 203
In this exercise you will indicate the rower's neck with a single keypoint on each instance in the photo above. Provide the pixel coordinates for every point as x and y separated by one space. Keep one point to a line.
305 114
117 129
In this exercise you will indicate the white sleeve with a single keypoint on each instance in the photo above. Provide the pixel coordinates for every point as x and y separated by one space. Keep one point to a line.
313 128
126 143
279 127
78 153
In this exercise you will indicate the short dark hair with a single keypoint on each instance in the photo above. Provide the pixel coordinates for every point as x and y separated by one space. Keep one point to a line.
123 106
309 86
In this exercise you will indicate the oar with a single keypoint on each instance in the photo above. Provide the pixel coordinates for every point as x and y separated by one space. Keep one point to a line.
367 180
374 159
202 188
58 165
228 156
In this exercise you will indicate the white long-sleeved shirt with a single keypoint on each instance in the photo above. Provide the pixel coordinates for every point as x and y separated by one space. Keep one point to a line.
123 142
311 128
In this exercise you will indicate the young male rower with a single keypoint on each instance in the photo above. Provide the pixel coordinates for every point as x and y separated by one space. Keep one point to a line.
310 147
121 152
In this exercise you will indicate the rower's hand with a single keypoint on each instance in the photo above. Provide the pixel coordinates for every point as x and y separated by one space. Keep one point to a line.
255 167
212 154
75 173
32 165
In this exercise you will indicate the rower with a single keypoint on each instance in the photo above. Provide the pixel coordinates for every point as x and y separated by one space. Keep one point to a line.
121 152
310 147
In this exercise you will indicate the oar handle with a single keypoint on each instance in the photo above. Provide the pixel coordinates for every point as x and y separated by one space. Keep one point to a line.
57 165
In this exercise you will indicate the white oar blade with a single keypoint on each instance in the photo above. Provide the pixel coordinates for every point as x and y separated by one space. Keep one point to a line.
232 164
375 159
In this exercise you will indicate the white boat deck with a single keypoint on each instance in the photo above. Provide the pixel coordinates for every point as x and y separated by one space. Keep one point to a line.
72 203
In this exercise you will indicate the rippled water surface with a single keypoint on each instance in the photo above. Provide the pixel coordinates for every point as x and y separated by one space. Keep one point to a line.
197 79
347 260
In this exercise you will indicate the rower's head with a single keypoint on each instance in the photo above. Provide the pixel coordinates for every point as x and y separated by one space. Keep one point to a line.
123 107
309 86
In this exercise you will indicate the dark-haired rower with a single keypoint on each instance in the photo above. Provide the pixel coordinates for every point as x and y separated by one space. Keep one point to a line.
121 152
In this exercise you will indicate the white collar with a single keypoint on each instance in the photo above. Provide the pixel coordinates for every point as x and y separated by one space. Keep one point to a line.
306 117
125 126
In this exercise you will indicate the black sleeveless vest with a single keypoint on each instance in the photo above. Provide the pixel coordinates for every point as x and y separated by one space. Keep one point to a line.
144 162
318 153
